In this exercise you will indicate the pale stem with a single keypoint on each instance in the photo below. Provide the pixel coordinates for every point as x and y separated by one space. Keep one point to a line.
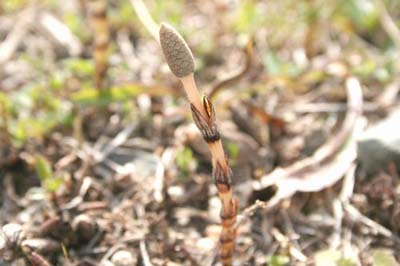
226 199
218 153
193 93
194 97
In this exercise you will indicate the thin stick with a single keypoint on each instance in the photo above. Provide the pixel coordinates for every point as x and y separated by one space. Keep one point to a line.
181 63
145 256
145 17
388 24
192 93
9 46
238 74
101 40
356 215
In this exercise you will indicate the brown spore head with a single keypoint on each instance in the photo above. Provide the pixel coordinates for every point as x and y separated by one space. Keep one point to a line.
176 51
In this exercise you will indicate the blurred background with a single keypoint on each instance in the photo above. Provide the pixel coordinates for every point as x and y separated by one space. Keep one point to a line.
101 164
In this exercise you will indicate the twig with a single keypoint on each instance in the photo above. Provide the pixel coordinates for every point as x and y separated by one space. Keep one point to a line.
60 33
285 241
114 143
325 107
159 181
355 215
110 252
101 40
145 256
348 184
66 255
145 17
181 63
11 43
388 96
89 247
85 185
249 211
126 48
295 249
238 74
337 229
37 259
305 174
337 205
388 24
327 152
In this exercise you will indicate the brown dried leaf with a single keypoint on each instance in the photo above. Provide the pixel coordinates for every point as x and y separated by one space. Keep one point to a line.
329 163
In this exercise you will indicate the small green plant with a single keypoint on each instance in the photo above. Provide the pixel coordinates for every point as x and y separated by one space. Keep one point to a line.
5 107
233 151
31 113
278 260
185 160
47 178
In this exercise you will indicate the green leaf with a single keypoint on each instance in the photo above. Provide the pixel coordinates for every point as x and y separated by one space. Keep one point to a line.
247 16
169 10
365 69
328 257
43 168
272 63
278 260
346 262
5 102
233 151
12 5
51 185
77 25
80 67
185 160
363 14
27 128
5 106
92 96
57 81
384 257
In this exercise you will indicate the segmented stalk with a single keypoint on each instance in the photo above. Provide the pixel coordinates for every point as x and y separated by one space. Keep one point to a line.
181 62
101 40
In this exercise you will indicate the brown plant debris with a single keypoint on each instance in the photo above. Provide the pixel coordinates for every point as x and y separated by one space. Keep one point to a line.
101 40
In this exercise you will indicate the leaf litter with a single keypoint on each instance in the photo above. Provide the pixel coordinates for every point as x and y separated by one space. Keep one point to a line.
93 178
